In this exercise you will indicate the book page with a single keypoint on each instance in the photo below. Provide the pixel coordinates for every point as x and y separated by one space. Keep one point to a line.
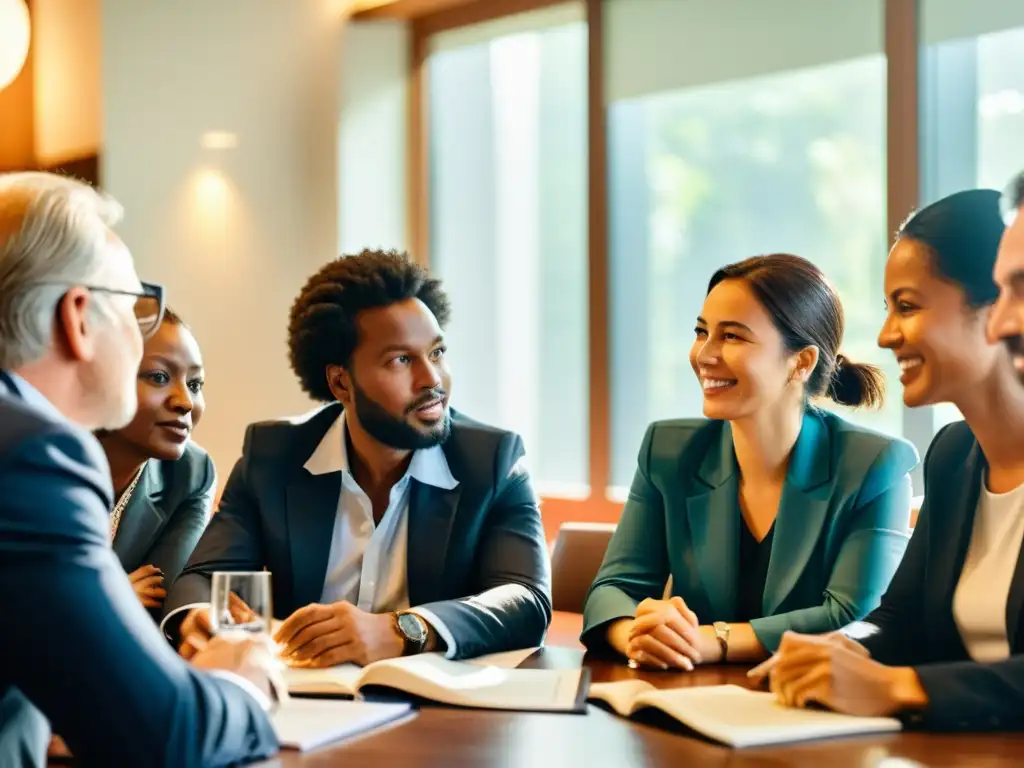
621 695
342 680
505 659
740 717
305 724
460 683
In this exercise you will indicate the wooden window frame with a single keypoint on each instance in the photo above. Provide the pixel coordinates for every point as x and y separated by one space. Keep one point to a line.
431 17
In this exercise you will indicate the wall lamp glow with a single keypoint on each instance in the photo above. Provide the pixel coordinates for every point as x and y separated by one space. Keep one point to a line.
216 139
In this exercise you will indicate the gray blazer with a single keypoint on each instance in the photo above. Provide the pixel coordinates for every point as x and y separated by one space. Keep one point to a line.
167 513
477 555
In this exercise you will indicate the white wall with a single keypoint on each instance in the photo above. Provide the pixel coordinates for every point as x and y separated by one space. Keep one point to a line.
373 163
232 234
66 68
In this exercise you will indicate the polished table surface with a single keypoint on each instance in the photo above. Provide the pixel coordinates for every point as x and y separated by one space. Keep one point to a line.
441 736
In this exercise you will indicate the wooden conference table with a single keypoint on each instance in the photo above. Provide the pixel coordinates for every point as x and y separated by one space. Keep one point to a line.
439 737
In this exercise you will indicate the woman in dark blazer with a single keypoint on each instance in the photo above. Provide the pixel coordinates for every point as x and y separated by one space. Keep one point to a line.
945 649
163 482
771 516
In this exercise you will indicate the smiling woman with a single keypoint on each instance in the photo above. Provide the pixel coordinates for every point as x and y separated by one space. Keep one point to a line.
163 483
772 513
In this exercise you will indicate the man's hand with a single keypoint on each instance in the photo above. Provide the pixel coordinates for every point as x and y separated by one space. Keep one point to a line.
835 674
664 635
148 582
250 657
196 628
325 635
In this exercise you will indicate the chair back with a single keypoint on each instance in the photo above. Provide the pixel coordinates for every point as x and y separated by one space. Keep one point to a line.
575 560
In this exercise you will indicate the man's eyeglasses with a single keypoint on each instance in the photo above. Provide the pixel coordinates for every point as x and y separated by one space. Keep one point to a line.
149 303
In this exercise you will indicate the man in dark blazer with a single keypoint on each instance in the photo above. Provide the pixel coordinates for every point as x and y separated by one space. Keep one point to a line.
391 525
77 647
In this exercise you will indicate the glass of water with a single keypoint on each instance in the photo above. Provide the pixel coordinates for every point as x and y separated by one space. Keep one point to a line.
241 602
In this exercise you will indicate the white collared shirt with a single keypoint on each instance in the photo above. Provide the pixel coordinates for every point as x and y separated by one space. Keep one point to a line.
367 563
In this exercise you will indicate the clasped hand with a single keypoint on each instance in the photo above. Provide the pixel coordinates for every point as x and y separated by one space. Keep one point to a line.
665 634
324 635
836 672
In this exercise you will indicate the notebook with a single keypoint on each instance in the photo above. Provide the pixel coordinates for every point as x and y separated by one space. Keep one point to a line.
736 716
305 724
457 683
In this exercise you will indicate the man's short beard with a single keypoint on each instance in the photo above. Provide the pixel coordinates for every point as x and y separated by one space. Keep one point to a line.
396 432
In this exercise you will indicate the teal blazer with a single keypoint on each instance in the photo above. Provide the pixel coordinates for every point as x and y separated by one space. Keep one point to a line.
841 529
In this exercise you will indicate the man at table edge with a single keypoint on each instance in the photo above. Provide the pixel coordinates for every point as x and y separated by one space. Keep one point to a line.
392 525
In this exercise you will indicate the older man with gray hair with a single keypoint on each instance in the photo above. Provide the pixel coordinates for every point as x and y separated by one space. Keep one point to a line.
76 644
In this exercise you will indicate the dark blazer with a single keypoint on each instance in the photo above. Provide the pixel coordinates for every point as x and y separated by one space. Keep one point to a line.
76 642
841 529
915 620
167 513
477 556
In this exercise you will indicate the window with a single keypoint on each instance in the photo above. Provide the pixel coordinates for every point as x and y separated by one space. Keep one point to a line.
974 103
508 229
765 146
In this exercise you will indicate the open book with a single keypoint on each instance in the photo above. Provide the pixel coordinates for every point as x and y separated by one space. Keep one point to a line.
736 716
458 683
305 724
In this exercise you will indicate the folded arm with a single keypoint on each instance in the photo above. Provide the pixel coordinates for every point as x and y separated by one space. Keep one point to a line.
635 566
973 696
891 633
875 540
79 644
513 607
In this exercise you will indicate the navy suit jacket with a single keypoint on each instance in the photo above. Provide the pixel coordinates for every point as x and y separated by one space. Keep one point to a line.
915 624
76 641
477 557
842 527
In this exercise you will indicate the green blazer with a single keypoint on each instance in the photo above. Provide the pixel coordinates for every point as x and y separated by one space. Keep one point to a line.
841 530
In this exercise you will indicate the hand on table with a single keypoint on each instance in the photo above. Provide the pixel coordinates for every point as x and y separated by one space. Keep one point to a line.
324 635
838 673
147 582
664 635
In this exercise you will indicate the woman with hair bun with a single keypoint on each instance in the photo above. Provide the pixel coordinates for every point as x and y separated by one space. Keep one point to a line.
769 515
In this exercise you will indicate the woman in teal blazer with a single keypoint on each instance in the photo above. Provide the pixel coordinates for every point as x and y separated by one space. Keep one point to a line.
771 516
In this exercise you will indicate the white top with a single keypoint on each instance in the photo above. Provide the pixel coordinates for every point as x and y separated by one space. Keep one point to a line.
979 604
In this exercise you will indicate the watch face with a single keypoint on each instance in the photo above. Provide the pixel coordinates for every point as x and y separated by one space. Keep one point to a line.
412 626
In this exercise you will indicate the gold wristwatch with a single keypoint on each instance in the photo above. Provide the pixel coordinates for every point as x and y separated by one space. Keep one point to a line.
722 630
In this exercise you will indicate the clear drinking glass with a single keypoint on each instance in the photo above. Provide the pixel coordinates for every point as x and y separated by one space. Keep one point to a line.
241 602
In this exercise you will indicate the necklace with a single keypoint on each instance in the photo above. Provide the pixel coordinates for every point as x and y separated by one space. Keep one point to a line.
115 517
